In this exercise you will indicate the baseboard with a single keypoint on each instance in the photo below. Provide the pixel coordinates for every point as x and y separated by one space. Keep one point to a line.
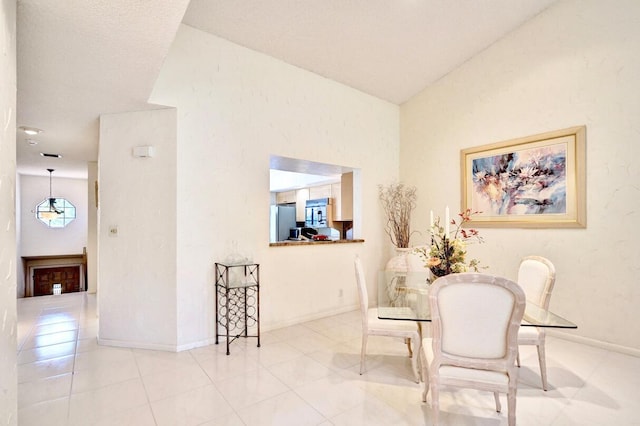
593 342
306 318
193 345
211 341
137 345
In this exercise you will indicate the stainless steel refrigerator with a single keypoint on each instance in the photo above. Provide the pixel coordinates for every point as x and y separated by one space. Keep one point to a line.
283 218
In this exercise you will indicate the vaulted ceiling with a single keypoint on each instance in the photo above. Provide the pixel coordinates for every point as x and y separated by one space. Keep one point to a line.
77 60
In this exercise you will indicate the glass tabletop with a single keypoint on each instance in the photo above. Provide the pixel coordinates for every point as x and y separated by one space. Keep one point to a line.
405 296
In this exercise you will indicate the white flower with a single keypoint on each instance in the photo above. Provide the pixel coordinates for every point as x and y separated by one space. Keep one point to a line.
527 172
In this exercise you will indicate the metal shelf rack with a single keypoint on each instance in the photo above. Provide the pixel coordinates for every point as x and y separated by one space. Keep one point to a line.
237 301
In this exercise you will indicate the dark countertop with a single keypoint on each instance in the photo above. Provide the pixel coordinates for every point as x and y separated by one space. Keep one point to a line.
309 242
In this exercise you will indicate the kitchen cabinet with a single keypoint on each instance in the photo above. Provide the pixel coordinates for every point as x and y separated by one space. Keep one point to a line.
346 196
302 195
321 191
342 194
286 197
336 192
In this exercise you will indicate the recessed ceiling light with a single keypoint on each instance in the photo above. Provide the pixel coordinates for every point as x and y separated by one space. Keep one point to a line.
44 154
31 131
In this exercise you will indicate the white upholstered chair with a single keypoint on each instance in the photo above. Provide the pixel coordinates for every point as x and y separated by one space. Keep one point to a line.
374 326
474 323
536 276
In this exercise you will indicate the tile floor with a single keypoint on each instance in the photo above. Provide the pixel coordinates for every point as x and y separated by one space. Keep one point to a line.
302 375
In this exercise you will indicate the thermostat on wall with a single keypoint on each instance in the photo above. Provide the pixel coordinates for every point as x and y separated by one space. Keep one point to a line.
143 151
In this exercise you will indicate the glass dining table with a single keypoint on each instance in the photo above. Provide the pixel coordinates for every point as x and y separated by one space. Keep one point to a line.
405 296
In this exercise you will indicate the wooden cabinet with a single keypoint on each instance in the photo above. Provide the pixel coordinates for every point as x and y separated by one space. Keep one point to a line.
342 195
321 191
286 197
302 195
346 196
336 193
66 277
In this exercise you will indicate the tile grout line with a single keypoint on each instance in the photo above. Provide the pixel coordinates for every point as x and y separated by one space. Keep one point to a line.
144 386
73 367
217 388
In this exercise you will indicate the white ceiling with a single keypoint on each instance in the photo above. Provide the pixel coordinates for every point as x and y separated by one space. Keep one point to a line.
80 59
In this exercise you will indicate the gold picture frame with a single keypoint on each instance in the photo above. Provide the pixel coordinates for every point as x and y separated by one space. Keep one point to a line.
536 181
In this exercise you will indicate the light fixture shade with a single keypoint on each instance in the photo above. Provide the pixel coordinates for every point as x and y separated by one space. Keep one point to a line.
48 215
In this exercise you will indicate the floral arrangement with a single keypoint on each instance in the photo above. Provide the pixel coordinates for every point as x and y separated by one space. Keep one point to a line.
447 253
398 201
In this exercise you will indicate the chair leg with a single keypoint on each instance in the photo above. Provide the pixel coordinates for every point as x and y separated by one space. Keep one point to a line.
435 404
425 374
363 352
543 364
518 358
414 361
511 406
408 342
497 398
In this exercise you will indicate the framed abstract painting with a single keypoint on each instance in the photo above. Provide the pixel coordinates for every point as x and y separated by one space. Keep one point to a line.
532 182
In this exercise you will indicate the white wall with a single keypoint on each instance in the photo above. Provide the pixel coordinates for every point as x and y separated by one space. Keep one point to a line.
137 267
92 227
20 288
235 108
8 254
38 239
576 63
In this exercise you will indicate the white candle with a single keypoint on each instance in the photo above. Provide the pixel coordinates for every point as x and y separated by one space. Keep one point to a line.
431 219
446 218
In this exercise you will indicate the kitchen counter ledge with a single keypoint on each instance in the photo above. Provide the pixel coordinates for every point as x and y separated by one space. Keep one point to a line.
309 243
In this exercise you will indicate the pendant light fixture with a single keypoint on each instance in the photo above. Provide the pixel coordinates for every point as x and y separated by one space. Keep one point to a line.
53 212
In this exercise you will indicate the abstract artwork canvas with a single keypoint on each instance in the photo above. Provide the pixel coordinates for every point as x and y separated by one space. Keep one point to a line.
536 181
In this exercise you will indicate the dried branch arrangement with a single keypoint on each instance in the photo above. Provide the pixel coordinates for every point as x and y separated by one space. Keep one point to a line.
398 201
